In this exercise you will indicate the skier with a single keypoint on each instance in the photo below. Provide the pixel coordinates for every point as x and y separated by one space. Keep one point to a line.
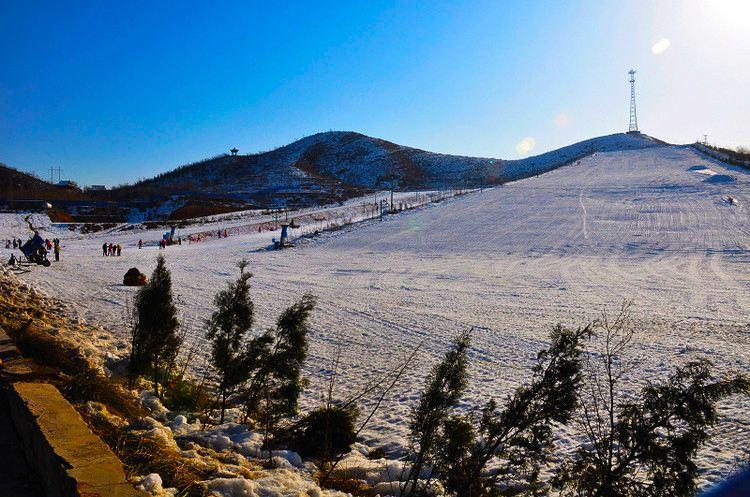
104 249
140 244
57 250
12 261
119 250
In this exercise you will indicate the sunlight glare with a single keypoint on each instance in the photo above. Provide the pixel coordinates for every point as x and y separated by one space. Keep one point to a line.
526 145
660 46
562 120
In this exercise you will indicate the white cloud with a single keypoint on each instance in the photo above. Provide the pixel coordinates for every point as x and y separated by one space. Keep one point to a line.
660 46
562 120
526 145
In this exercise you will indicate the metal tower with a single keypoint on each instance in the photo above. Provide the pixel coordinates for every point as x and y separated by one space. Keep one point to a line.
633 117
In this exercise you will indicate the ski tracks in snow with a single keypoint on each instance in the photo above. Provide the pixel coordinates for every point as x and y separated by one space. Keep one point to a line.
510 262
584 215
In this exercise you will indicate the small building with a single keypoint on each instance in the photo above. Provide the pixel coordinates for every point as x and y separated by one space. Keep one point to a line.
97 188
67 184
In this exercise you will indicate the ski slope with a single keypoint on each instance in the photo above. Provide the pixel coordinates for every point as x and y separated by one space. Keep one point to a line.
652 224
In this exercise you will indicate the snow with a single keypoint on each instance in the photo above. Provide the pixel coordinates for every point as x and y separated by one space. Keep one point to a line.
321 162
152 484
236 223
231 468
278 483
17 226
522 168
510 262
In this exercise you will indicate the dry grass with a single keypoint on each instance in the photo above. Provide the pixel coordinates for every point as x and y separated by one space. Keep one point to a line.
346 484
143 455
78 380
41 337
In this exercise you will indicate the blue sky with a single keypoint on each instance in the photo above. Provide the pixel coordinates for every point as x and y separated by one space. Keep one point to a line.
114 91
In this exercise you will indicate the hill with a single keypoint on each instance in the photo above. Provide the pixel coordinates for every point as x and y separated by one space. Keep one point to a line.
665 226
318 169
14 183
342 164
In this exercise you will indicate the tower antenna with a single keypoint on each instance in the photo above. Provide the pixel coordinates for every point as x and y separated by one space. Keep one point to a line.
633 127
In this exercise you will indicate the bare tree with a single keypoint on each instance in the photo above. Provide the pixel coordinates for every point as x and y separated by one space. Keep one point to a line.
640 445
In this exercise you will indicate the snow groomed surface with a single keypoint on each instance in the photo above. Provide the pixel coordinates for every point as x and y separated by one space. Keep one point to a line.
645 224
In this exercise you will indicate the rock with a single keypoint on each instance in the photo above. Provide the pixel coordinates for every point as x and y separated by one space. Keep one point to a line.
134 278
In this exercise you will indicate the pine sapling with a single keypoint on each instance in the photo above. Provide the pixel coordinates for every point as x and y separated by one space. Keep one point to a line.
227 328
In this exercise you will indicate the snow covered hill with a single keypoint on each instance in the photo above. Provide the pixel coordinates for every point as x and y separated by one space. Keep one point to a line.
316 170
662 225
331 164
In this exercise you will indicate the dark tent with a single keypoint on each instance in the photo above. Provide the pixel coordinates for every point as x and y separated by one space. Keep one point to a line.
34 250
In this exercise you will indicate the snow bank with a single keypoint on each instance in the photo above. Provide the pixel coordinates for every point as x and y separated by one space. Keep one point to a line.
272 483
22 225
152 484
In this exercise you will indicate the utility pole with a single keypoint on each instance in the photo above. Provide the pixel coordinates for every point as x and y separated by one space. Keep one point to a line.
52 170
705 140
393 179
483 173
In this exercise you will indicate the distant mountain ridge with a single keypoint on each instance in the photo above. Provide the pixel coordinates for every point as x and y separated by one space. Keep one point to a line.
321 168
342 163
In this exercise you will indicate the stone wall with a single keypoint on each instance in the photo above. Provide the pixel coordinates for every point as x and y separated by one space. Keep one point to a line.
70 460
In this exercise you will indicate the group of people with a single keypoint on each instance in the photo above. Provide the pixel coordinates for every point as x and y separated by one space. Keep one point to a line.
111 249
199 237
35 252
13 243
168 241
